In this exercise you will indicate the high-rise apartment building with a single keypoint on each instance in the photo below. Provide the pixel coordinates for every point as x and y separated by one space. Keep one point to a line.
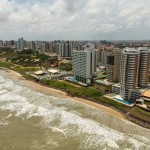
1 43
110 66
113 65
133 71
117 60
128 72
84 64
144 66
20 44
65 49
33 46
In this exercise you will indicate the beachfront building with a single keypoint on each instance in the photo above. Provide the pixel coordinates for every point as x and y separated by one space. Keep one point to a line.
133 72
84 64
144 66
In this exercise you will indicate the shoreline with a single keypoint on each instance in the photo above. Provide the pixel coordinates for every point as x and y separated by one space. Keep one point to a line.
61 94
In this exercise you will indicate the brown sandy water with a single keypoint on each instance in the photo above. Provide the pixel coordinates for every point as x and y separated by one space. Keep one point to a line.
33 120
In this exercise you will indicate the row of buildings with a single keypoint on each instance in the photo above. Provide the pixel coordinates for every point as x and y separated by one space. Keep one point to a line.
127 68
61 48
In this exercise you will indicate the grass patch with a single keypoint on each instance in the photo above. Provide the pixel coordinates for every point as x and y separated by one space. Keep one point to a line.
115 104
6 65
73 90
85 92
147 103
140 113
19 69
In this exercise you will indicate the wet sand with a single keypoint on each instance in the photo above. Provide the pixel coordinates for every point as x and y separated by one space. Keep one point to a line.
62 94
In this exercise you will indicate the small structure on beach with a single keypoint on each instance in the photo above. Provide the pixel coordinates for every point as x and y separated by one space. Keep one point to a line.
53 71
40 74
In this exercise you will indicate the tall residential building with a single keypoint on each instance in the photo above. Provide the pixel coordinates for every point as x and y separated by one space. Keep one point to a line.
133 70
1 43
65 49
116 69
103 58
42 48
110 66
113 65
128 72
20 44
70 50
12 43
84 64
48 46
66 54
98 57
61 49
33 46
144 66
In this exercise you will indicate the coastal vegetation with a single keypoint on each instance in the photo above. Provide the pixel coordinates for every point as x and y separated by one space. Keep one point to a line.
140 113
27 58
71 90
11 62
65 66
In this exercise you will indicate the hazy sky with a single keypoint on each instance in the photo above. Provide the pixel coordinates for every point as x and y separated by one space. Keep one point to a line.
75 19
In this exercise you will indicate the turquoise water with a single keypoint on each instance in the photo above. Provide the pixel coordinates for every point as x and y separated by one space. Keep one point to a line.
122 101
72 79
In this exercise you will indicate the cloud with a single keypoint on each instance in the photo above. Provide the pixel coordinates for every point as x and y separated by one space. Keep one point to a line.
5 10
74 19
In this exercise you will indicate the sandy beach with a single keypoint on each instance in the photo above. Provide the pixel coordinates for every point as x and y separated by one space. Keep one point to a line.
62 94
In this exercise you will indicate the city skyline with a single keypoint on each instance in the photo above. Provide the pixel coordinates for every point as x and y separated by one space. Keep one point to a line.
74 20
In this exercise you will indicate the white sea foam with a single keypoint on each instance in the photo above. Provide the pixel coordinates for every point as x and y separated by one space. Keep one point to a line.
72 123
10 115
2 80
4 122
137 144
3 91
54 129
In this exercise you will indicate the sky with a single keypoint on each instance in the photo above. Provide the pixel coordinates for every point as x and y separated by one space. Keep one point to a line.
75 19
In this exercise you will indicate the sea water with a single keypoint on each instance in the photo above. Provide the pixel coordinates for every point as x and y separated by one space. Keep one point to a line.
31 120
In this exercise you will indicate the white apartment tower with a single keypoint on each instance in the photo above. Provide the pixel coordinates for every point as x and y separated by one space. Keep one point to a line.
84 64
20 44
133 70
144 66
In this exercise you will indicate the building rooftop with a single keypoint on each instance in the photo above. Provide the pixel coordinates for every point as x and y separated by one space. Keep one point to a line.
130 50
53 71
146 93
40 72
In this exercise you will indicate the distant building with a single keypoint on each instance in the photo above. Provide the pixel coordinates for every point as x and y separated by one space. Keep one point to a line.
33 46
20 44
65 49
84 64
98 59
117 61
1 43
113 65
42 48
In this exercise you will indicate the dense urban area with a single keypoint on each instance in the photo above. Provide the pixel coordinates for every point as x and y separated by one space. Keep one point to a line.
112 73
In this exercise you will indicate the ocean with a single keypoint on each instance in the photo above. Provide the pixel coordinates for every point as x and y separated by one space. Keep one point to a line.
32 120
